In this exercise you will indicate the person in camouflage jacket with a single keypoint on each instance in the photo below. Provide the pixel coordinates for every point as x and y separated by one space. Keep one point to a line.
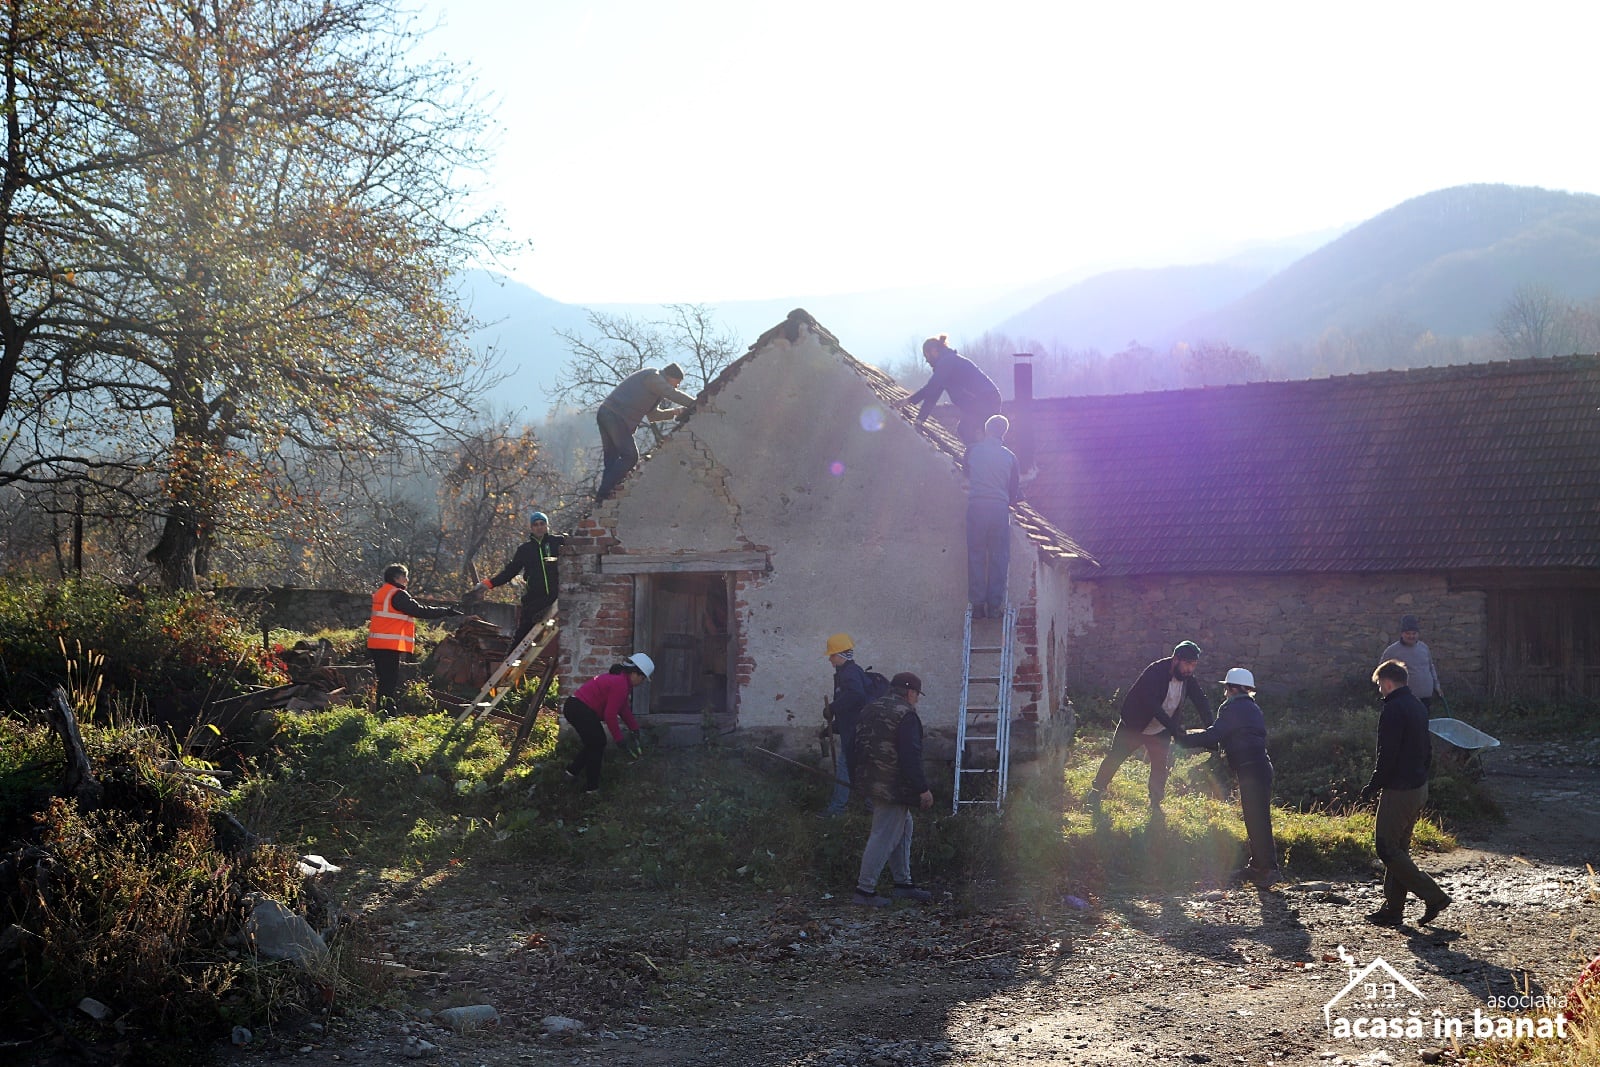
888 765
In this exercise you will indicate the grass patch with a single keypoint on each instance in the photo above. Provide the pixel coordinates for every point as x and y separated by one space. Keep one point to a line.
1580 1047
1202 834
408 791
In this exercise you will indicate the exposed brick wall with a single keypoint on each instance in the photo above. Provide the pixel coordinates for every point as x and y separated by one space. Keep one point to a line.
596 609
1298 633
1027 670
745 584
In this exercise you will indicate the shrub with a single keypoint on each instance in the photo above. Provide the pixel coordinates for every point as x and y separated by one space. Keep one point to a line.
149 645
134 903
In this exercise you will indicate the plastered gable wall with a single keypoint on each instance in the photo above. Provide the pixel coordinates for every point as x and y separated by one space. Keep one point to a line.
1298 633
862 520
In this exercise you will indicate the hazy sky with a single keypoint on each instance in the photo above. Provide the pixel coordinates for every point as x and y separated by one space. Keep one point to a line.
709 150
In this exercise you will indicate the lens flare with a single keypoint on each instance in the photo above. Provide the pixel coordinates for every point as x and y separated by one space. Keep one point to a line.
872 419
836 469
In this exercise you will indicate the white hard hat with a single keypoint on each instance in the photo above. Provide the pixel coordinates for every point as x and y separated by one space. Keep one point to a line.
643 662
1240 676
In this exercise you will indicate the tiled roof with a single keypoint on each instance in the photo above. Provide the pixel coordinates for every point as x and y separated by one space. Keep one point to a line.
1488 465
1051 541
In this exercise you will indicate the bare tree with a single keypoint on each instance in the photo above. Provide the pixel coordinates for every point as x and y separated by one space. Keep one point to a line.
1534 324
616 346
268 271
1217 363
486 494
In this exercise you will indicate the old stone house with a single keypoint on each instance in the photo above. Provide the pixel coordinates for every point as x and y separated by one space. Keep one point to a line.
1287 526
790 503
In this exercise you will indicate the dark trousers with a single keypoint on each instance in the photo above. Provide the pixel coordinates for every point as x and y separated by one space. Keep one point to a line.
844 737
592 733
619 452
1255 797
386 665
532 610
970 428
988 554
1124 743
1398 812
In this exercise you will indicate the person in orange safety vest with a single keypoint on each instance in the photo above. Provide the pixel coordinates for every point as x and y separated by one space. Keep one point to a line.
392 631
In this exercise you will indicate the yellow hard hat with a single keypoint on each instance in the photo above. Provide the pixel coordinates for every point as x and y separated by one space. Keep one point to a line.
840 643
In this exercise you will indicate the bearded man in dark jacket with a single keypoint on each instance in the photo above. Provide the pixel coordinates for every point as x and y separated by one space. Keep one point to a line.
1150 715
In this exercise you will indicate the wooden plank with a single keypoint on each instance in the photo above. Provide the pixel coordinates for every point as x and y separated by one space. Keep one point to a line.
258 700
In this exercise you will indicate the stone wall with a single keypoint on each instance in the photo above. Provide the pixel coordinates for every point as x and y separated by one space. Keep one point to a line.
1297 633
310 610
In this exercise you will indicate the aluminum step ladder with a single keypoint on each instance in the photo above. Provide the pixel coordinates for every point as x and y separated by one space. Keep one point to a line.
983 728
504 678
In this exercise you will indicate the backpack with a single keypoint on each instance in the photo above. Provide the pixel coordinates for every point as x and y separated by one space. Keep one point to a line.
877 685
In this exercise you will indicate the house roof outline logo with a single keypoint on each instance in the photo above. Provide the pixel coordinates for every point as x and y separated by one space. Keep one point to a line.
1357 977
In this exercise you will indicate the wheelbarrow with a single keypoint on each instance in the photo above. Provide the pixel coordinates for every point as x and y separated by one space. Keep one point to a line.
1463 747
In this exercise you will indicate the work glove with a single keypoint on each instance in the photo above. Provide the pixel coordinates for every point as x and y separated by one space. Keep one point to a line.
634 745
1369 794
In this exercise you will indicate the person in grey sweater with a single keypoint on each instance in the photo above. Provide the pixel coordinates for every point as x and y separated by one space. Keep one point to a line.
637 398
993 485
1421 669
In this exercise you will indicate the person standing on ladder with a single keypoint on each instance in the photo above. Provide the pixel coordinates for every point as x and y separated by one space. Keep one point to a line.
994 483
538 561
392 631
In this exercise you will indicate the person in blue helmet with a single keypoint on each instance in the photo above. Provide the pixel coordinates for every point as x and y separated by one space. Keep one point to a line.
538 561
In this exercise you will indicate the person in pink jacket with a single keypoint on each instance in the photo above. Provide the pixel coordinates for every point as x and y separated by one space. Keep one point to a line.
602 704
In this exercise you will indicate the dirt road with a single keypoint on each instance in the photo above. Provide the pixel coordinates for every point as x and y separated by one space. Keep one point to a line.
1210 976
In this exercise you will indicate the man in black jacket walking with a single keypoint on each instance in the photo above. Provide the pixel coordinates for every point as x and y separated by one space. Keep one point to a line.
1150 714
1400 784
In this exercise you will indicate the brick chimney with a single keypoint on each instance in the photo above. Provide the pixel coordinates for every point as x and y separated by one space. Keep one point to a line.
1022 376
1020 440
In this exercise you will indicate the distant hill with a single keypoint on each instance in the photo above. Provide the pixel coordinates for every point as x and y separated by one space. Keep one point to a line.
519 325
1150 305
1446 262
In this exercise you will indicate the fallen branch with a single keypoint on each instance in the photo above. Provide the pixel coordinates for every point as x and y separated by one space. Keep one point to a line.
79 781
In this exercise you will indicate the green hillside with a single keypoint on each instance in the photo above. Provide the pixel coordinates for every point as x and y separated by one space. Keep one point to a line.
1446 262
